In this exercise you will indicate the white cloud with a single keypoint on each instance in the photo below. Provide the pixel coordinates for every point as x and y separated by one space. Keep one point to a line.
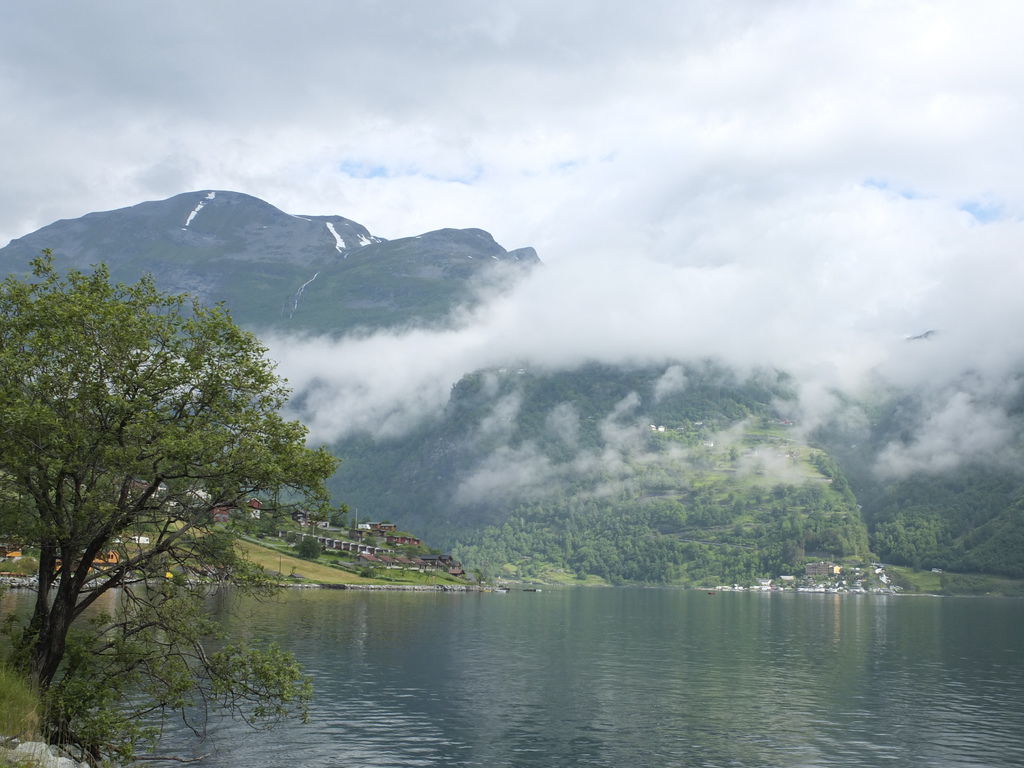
564 423
671 382
958 426
770 183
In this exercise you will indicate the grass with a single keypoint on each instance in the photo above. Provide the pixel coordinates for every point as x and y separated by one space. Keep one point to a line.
927 582
561 577
19 706
23 566
274 559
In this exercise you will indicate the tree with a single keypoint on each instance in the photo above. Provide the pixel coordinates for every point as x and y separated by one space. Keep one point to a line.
129 417
309 548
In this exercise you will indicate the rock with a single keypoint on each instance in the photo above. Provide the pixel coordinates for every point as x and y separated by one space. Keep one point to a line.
42 755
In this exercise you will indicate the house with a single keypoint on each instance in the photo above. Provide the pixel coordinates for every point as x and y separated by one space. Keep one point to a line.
305 518
402 540
221 513
380 527
106 558
822 569
10 550
440 561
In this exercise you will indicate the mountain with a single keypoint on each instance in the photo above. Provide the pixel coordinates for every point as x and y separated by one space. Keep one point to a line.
606 471
684 472
968 517
278 271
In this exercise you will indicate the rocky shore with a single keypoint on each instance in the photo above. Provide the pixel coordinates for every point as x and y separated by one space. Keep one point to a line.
36 754
15 582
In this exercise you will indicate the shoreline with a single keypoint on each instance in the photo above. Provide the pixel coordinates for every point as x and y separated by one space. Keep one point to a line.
389 587
29 582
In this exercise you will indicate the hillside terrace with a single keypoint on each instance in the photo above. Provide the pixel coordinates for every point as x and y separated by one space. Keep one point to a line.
387 557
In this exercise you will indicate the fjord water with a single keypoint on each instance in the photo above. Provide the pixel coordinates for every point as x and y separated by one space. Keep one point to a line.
638 677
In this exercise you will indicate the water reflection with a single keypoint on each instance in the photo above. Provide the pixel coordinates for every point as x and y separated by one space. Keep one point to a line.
639 677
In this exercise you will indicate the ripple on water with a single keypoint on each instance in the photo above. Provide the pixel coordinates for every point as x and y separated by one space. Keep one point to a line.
643 678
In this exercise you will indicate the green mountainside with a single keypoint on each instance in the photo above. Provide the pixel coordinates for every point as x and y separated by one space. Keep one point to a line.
602 471
967 518
684 472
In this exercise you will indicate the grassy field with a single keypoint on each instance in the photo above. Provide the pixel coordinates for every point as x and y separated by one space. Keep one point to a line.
927 582
274 561
274 558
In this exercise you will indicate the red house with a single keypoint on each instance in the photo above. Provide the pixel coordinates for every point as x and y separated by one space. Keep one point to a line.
221 514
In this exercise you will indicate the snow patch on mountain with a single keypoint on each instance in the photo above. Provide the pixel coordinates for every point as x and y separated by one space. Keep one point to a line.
198 208
339 243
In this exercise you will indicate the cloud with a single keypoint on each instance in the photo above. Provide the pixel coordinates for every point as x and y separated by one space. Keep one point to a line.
964 423
563 421
500 422
671 382
623 460
833 304
574 125
776 183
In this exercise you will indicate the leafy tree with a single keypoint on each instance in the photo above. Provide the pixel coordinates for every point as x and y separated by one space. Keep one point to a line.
129 418
309 548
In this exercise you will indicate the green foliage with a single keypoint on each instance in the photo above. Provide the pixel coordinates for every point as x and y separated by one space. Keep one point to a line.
308 548
19 705
613 498
433 458
970 519
129 414
717 531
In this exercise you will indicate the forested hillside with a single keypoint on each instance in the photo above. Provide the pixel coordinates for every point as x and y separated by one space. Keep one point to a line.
671 474
966 517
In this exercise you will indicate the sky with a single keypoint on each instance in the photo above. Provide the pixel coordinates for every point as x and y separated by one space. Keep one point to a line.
780 182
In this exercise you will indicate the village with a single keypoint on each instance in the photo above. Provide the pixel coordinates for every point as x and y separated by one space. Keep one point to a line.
371 549
825 576
401 550
375 548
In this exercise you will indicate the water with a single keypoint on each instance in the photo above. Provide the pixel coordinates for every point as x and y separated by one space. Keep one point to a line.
634 677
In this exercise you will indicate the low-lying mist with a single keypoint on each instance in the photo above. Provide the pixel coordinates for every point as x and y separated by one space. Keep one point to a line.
818 297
